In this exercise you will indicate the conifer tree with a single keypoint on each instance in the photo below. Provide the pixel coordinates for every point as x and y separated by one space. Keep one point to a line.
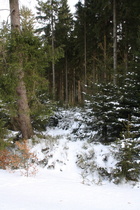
105 110
34 61
22 101
47 14
63 33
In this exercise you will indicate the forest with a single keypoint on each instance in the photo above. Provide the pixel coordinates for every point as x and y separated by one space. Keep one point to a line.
57 59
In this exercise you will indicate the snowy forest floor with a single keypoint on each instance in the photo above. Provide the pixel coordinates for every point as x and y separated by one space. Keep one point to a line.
51 190
60 184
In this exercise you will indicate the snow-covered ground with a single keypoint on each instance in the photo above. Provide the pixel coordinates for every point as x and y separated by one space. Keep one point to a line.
51 190
60 184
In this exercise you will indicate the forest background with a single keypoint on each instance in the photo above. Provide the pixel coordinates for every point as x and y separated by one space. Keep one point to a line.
88 59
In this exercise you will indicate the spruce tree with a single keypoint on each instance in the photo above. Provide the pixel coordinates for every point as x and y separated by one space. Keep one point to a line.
63 33
22 100
34 63
47 15
105 111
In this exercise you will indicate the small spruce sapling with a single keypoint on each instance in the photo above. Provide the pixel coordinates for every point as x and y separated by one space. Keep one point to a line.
128 166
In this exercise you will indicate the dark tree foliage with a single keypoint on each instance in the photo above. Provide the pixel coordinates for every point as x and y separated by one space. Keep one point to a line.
105 107
130 102
117 109
128 166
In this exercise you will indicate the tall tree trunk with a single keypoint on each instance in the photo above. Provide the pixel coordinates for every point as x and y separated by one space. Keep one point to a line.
79 92
94 68
114 42
66 77
74 86
22 101
126 60
105 59
85 52
126 50
53 60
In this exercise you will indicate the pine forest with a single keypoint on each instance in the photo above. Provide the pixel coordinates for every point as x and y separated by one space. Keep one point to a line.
58 60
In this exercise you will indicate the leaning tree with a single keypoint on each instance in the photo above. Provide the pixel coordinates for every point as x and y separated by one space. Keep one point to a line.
23 110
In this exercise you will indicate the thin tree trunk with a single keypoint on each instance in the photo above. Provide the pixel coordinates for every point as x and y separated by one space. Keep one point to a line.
53 60
22 102
114 42
66 77
126 51
79 92
94 68
126 61
74 86
53 66
105 56
85 51
72 94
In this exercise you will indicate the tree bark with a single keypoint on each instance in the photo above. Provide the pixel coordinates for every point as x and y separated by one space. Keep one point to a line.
114 42
85 51
105 59
53 53
22 101
79 92
66 80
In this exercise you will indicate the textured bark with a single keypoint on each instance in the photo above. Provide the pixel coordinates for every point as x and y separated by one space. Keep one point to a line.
22 102
14 12
23 108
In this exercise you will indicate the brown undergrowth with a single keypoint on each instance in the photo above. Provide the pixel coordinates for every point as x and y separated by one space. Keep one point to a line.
21 158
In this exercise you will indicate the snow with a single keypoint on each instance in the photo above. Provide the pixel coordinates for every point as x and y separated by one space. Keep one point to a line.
53 190
60 185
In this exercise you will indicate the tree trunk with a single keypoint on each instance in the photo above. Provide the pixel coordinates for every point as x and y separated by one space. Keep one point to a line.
66 81
126 61
114 42
22 101
14 12
74 86
105 59
53 60
94 68
79 92
85 53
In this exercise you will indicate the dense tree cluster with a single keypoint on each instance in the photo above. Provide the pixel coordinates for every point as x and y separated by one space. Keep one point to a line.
87 41
92 53
90 58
